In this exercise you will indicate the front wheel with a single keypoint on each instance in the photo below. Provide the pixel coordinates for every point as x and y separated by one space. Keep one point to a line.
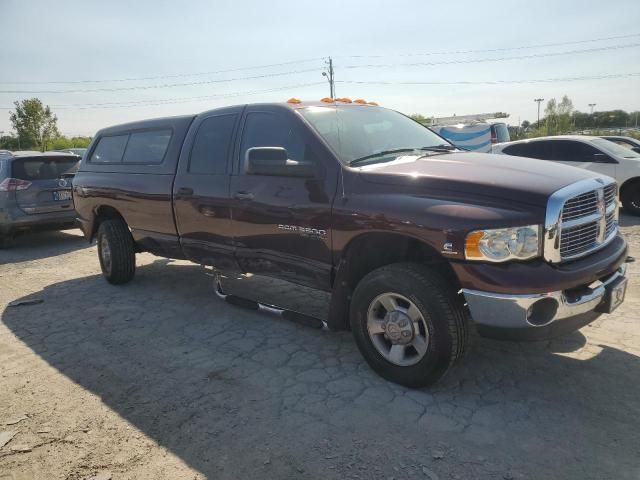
116 251
409 323
630 198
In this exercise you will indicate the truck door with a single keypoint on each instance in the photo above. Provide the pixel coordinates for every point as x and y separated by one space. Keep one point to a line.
201 190
281 223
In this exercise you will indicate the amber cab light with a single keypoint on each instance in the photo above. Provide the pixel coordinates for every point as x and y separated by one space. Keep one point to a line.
360 101
327 100
373 104
344 100
294 100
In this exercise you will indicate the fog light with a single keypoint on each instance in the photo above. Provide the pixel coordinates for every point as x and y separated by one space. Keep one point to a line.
542 311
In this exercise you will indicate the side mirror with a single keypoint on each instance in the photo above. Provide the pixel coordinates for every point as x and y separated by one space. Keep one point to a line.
275 161
636 149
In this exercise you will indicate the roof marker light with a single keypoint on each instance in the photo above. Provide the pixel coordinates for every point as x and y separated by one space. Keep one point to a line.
294 100
360 101
344 100
373 104
327 100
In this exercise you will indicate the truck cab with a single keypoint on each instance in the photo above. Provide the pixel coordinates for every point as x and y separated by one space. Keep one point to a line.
415 240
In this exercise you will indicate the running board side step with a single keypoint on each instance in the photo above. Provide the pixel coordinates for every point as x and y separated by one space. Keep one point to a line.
296 317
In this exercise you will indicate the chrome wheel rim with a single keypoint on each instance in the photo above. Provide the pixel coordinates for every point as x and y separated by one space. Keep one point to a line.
397 329
105 254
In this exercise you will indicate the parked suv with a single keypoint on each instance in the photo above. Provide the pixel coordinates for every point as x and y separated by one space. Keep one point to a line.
413 238
35 192
591 153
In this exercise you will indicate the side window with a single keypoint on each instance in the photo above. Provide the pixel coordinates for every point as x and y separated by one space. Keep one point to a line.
539 150
210 149
266 129
568 151
147 147
519 149
110 149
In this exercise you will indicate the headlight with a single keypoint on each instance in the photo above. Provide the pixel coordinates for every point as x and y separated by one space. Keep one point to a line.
502 244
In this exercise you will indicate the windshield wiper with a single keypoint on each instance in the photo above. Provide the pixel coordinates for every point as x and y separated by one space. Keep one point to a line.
440 148
382 154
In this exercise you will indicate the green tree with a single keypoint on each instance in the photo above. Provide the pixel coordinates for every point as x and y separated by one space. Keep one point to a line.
60 143
35 124
9 142
526 124
421 118
80 142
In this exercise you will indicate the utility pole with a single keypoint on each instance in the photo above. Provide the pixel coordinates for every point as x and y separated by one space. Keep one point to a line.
329 74
592 105
538 101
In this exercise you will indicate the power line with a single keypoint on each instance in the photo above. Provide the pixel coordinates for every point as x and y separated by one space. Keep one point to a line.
505 49
494 82
157 77
166 85
175 100
494 59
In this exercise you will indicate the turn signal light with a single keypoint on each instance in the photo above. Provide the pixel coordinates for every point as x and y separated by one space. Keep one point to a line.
294 100
472 245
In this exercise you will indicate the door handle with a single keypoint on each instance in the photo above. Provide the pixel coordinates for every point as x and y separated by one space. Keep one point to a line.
243 196
185 191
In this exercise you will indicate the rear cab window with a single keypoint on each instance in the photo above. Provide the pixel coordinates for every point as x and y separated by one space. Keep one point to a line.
210 150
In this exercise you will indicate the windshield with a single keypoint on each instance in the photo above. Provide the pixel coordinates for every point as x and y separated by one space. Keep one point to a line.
614 149
355 132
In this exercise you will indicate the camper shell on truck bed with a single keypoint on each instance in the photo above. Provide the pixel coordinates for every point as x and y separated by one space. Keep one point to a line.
414 239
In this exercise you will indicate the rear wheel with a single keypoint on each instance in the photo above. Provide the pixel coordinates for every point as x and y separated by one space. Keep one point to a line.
630 198
116 251
409 323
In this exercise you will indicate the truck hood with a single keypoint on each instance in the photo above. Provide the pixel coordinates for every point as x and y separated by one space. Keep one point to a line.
464 174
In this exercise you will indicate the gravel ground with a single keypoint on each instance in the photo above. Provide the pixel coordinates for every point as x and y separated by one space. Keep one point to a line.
159 379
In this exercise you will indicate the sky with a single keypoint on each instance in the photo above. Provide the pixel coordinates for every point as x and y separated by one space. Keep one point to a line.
146 59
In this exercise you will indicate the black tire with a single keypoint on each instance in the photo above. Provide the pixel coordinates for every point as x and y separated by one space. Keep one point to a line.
116 251
442 311
6 240
630 198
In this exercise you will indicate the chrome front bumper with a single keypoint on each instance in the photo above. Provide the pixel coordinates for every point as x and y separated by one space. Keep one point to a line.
537 310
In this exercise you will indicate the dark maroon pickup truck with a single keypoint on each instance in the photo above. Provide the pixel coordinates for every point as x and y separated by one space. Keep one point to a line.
412 238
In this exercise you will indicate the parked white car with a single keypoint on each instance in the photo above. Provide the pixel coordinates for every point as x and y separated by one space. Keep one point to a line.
591 153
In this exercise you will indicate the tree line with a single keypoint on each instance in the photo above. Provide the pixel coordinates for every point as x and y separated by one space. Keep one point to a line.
36 128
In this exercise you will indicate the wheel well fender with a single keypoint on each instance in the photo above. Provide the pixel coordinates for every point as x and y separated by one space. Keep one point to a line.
634 181
370 251
102 213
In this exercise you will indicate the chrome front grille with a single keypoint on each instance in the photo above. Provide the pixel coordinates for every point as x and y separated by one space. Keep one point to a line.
581 218
579 206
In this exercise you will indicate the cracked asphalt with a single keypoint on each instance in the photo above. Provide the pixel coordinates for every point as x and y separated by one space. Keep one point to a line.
160 379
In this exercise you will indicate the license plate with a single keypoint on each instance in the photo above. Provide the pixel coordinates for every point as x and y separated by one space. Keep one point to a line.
614 295
60 195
